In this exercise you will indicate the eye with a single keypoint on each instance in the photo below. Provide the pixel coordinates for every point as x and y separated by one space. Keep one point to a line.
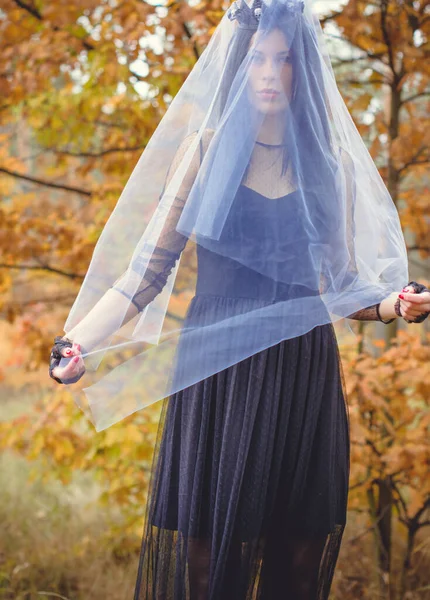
257 58
286 59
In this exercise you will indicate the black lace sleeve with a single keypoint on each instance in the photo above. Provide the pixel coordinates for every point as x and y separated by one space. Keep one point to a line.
157 262
371 313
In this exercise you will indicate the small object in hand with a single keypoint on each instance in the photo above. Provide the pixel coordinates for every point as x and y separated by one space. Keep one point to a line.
56 356
418 288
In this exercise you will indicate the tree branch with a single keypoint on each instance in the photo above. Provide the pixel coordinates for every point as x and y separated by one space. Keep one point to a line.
47 300
38 15
357 82
347 61
370 528
378 57
387 40
42 268
420 512
96 154
413 163
189 36
414 160
30 9
414 97
50 184
330 17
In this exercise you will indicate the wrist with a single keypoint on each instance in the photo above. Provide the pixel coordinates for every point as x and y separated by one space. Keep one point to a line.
387 307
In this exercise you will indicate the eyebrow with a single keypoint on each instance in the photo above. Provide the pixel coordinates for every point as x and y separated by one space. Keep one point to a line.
277 54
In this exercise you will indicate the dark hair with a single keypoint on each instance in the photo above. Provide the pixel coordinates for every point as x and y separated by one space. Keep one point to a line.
308 105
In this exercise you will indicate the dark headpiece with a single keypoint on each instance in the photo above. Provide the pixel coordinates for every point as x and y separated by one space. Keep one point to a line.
248 17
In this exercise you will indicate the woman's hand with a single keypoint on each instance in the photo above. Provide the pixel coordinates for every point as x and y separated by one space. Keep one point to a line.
66 362
412 304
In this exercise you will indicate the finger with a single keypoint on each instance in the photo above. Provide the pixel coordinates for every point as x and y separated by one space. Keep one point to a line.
410 315
56 372
410 309
421 299
70 351
64 373
75 365
72 367
418 308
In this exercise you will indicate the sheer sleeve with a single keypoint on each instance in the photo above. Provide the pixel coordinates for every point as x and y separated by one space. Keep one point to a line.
370 313
157 262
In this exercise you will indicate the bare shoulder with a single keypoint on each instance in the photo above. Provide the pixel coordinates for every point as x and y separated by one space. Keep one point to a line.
206 139
208 135
203 138
192 149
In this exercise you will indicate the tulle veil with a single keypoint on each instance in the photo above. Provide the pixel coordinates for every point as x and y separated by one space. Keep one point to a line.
260 110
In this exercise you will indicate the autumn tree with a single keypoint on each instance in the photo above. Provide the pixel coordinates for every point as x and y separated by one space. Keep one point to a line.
388 399
83 87
384 76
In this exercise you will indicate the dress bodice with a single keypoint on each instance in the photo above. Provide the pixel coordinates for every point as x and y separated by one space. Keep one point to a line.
258 234
269 250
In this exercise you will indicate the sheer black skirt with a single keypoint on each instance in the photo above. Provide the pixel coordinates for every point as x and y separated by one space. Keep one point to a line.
249 486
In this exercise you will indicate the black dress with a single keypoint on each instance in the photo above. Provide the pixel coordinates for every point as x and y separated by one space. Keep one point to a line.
249 485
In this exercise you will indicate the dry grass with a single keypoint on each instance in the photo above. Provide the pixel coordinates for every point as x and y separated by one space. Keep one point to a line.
357 576
51 545
53 542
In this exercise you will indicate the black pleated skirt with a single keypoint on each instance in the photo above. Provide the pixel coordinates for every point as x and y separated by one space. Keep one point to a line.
249 485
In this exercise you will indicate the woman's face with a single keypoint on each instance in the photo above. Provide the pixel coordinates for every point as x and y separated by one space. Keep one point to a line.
270 74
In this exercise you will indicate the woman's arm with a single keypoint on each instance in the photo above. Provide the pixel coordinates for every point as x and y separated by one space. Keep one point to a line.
102 320
150 271
382 311
412 305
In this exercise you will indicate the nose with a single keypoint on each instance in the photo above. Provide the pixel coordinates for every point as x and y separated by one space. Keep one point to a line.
270 71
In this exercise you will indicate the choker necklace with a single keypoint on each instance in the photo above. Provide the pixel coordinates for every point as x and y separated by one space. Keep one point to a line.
270 145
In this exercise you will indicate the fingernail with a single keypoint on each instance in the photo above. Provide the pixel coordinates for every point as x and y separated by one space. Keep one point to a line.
75 360
401 296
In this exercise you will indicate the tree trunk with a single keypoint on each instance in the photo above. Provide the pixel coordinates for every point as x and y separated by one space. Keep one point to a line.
393 176
406 562
384 516
376 572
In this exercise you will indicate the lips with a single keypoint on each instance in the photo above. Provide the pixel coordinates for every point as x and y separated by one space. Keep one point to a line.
268 93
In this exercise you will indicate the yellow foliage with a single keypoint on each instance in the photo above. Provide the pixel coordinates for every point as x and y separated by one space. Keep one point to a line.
390 419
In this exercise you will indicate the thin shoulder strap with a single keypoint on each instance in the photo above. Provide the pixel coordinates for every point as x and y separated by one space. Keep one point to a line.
201 149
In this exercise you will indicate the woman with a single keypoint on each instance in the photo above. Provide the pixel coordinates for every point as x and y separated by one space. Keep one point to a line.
250 481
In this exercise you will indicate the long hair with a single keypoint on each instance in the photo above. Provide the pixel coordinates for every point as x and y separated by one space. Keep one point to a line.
308 110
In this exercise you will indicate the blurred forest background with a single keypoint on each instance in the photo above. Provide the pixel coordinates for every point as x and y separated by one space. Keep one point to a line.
83 85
